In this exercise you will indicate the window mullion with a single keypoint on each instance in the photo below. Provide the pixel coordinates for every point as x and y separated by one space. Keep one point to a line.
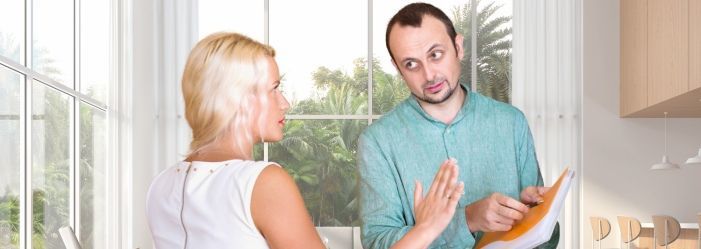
26 191
25 160
370 61
74 214
266 37
73 162
52 83
473 45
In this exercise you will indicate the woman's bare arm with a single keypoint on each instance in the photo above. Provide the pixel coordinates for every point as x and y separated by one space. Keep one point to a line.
279 213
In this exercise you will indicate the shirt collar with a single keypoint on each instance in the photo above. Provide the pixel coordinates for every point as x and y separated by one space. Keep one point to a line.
467 107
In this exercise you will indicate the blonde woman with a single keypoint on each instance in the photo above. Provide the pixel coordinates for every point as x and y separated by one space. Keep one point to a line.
218 197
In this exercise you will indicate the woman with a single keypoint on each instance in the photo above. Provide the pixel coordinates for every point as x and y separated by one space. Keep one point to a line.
218 197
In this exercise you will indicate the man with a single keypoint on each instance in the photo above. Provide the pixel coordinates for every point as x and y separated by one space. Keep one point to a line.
442 119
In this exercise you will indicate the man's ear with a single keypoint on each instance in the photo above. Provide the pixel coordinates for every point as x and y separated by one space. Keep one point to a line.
458 46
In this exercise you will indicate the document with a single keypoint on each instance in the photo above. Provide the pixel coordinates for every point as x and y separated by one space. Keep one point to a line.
537 225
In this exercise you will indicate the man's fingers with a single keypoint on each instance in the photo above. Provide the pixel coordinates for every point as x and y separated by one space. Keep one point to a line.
533 194
498 227
509 214
530 195
503 220
511 203
543 190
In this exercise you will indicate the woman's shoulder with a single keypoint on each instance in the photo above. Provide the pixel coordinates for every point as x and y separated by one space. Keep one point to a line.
273 179
170 173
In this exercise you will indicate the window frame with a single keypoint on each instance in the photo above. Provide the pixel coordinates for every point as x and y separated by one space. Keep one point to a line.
116 101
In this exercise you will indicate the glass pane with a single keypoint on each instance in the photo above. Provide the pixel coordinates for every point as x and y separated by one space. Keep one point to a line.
95 48
320 156
93 188
493 48
322 55
245 17
12 30
50 165
10 153
388 87
258 152
52 47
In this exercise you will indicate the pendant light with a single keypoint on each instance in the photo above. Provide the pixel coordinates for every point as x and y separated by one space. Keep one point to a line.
694 161
665 164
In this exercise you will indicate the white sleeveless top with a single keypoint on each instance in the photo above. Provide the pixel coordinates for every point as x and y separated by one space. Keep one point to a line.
208 206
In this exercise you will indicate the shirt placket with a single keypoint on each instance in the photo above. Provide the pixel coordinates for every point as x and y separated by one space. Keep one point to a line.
449 141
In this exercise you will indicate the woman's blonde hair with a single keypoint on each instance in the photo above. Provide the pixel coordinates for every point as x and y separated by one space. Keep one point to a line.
224 76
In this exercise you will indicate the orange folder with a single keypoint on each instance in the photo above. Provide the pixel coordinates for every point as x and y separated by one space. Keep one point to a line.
537 225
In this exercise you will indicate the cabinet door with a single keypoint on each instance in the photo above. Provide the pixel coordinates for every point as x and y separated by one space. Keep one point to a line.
694 44
633 56
668 49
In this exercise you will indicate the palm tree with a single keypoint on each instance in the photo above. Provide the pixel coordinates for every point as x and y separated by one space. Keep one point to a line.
320 154
493 49
388 90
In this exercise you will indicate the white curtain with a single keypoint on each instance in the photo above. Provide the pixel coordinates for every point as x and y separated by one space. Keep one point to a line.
177 37
163 33
547 88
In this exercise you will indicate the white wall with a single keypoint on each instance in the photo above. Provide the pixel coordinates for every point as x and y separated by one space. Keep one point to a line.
617 153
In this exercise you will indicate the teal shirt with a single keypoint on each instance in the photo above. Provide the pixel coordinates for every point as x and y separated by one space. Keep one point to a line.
490 139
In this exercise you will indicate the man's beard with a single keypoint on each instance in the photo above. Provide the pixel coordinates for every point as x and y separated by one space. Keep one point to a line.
445 97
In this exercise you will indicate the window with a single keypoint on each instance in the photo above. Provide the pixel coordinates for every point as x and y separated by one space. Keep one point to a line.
56 65
324 67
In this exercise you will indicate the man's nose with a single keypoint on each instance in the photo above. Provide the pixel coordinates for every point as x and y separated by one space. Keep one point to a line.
429 72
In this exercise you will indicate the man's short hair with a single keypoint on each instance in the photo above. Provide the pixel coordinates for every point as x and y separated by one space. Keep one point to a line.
413 14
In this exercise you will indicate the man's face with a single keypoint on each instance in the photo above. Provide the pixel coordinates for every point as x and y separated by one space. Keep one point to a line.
426 59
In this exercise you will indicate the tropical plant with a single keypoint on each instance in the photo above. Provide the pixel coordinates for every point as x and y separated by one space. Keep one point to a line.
388 90
493 49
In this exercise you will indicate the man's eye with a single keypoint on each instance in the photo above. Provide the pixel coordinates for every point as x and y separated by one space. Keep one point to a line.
437 54
410 65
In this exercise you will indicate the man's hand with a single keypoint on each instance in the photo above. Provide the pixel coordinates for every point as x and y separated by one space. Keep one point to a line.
434 211
496 212
533 195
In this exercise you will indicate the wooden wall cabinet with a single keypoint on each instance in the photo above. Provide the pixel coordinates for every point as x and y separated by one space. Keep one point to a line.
660 58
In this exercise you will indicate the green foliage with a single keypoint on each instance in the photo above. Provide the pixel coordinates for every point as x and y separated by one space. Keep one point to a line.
388 90
51 180
320 154
9 221
493 50
50 197
320 157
